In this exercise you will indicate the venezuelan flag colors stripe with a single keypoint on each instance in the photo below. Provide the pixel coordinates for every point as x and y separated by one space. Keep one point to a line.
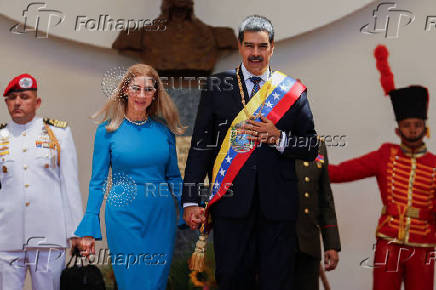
279 94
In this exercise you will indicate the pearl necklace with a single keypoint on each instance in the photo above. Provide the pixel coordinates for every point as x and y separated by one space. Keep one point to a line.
137 123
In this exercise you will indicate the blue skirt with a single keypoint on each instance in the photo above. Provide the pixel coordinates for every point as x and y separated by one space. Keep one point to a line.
141 236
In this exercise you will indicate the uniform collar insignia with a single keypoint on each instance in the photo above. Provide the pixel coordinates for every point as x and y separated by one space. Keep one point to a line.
418 152
15 127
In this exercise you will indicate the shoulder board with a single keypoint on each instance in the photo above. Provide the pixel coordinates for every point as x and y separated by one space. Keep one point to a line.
55 123
3 125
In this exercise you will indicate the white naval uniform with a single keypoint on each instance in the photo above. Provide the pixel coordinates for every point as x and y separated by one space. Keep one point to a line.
40 202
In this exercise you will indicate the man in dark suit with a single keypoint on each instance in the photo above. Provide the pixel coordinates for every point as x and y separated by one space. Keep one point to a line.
316 213
254 221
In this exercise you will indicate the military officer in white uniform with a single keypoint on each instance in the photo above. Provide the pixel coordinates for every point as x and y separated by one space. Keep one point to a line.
40 200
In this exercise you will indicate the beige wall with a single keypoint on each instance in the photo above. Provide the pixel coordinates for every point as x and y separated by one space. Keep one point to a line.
316 13
336 64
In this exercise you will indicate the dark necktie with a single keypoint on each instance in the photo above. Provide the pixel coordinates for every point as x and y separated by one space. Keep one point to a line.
256 87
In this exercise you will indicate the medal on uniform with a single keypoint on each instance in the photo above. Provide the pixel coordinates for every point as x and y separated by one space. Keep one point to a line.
4 142
319 160
43 141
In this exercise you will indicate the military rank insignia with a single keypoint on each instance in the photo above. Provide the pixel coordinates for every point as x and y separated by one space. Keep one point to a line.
55 123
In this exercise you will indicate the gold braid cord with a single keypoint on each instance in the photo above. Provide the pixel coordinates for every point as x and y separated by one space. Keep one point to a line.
197 261
241 92
54 143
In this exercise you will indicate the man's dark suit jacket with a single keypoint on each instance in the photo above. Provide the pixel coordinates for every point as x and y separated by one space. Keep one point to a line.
267 171
317 207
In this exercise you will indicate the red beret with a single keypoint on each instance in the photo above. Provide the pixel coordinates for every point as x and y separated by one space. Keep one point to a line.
21 83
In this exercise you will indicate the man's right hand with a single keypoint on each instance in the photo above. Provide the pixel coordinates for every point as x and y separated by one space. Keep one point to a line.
194 216
87 246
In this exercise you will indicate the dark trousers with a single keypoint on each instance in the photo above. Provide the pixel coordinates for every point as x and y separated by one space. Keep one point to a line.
253 252
306 272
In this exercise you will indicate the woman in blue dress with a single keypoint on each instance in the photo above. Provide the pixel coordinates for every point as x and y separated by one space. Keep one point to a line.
141 215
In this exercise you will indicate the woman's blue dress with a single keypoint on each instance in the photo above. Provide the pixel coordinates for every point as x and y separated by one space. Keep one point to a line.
141 216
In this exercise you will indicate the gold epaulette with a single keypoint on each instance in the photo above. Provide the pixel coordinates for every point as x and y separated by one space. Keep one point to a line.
3 125
55 123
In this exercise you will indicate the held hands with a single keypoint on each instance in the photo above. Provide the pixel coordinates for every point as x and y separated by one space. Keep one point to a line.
75 243
263 132
87 246
194 216
331 259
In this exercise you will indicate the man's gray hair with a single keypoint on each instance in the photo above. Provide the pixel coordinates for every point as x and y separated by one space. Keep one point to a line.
256 23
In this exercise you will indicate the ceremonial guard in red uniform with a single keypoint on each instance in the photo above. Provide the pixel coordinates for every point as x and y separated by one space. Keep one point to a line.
406 177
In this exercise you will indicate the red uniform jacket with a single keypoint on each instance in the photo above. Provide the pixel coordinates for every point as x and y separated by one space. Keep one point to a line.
407 183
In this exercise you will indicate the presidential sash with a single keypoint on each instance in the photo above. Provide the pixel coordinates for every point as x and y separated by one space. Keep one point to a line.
273 100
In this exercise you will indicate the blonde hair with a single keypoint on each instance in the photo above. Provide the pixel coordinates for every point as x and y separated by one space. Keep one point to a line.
162 108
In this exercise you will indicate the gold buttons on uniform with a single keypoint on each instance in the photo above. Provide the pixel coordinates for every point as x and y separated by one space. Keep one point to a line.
306 195
307 179
306 164
306 211
26 185
27 203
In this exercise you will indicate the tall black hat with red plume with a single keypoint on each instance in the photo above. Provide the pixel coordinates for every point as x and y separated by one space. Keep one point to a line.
409 102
